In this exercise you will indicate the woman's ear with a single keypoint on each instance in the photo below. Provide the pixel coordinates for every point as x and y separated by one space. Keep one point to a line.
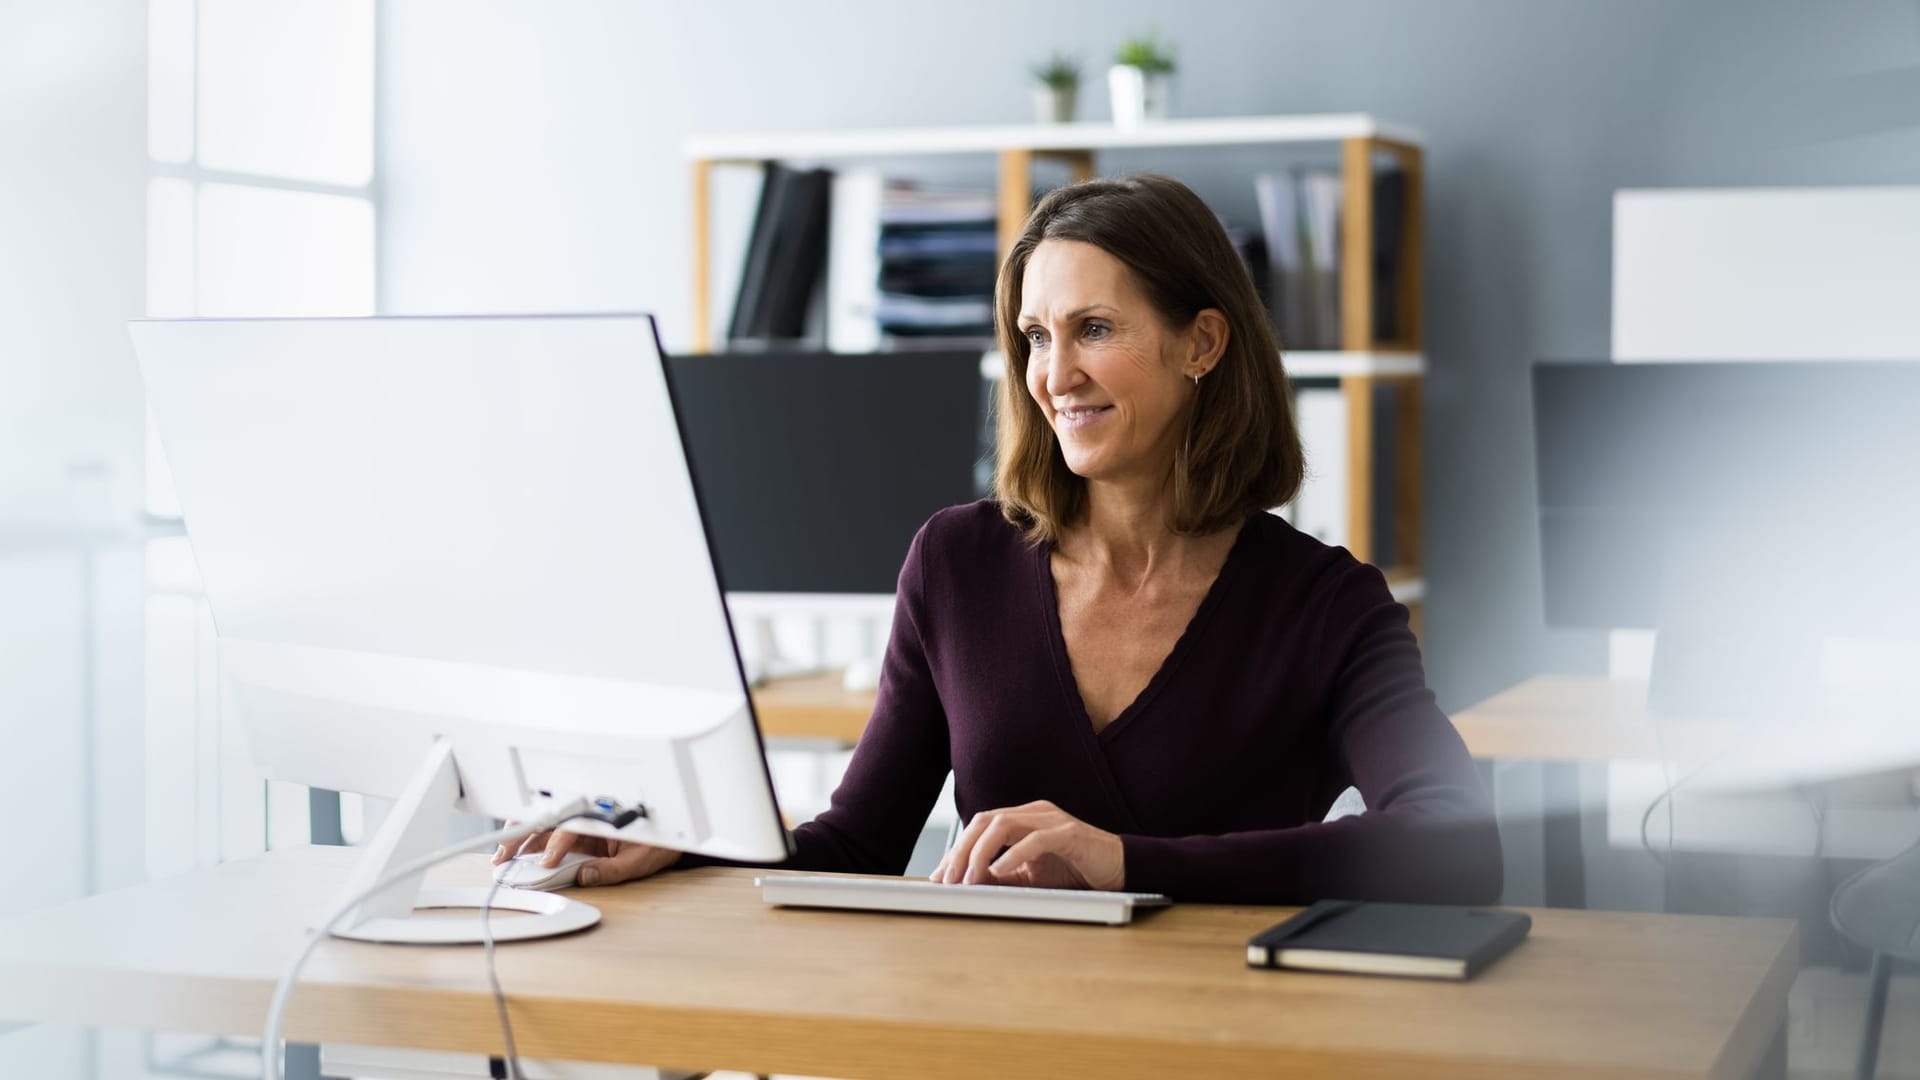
1209 338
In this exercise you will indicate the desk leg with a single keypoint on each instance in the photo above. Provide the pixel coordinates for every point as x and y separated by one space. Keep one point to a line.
1880 974
1773 1064
303 1062
1561 828
323 818
323 827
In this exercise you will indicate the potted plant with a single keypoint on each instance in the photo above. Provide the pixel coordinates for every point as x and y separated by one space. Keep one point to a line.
1057 89
1140 80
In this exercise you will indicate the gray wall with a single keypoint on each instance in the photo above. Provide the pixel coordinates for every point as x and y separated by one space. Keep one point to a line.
531 161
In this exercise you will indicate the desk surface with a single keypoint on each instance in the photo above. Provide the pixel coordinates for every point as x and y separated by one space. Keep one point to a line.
1574 718
1563 718
691 969
1546 718
812 707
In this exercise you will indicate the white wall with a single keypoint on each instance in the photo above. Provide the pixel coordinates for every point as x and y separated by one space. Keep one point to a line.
72 218
72 213
72 249
530 155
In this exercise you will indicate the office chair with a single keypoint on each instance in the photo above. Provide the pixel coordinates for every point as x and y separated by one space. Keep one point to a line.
1879 910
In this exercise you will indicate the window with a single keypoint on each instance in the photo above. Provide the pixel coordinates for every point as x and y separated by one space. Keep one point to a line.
260 133
260 201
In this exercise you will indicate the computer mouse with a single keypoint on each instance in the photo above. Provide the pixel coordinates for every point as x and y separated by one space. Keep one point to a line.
525 871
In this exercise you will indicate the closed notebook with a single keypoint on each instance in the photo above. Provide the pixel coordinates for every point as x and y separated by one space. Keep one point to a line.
1428 941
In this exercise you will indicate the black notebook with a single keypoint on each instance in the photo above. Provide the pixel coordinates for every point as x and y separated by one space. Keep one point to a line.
1428 941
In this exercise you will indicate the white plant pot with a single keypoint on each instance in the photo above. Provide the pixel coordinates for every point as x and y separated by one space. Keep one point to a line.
1137 95
1051 106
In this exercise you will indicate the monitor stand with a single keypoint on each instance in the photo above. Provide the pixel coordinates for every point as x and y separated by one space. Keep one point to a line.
1736 634
415 828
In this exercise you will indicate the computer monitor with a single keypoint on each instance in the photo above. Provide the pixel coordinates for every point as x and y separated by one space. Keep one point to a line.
460 562
1751 512
816 469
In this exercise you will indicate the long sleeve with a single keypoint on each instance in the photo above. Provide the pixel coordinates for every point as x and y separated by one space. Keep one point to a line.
1428 834
902 759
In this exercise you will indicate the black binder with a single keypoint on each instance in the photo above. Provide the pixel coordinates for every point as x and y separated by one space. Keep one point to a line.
748 301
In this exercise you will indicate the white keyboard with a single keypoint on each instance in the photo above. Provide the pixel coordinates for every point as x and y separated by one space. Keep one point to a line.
930 898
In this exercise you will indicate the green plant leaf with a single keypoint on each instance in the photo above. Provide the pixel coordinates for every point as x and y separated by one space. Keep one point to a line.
1146 52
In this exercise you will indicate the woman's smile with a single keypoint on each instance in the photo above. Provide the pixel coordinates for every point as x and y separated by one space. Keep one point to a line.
1080 417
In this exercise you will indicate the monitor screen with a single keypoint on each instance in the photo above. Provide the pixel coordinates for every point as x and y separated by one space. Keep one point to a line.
1653 475
816 469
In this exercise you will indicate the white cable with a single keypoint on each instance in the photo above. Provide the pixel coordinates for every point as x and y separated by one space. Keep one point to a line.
493 980
276 1013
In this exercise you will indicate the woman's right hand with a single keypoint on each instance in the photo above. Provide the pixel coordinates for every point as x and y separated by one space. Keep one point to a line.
614 861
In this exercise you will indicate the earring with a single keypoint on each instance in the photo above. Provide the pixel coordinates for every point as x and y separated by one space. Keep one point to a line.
1196 378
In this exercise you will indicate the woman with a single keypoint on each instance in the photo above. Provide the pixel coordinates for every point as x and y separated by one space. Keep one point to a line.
1139 678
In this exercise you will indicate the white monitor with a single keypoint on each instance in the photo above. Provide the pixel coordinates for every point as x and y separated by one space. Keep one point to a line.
460 562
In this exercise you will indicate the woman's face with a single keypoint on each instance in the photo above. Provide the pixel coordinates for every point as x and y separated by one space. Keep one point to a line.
1109 375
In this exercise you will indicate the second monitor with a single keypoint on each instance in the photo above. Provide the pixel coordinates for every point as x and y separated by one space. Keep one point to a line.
816 469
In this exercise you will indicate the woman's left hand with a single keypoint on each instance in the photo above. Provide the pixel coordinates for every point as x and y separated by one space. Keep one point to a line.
1044 846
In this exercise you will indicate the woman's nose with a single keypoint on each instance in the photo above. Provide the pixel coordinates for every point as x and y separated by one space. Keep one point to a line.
1063 374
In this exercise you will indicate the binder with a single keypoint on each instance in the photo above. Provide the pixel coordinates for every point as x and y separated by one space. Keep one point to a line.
798 257
1320 510
748 300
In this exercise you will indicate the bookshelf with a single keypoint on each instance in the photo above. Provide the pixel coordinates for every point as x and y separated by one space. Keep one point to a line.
1359 367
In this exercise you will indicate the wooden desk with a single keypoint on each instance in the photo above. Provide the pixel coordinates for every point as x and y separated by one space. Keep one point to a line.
1546 718
1848 732
1567 718
812 707
692 970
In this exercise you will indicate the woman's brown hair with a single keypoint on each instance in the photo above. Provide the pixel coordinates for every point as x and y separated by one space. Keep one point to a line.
1241 454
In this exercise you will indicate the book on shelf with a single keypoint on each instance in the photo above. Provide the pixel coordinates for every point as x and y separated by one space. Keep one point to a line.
1320 226
853 262
1252 246
1389 221
1275 194
749 295
786 255
1300 215
799 256
735 192
1321 509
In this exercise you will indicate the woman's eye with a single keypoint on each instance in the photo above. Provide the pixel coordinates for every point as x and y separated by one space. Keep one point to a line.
1036 339
1096 331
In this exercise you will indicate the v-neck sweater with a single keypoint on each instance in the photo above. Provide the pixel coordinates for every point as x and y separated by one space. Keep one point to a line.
1297 676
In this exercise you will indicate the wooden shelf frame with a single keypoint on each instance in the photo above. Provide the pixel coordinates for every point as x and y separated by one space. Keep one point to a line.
1361 364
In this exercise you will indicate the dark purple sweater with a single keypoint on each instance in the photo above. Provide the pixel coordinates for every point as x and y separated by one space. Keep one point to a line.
1297 677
